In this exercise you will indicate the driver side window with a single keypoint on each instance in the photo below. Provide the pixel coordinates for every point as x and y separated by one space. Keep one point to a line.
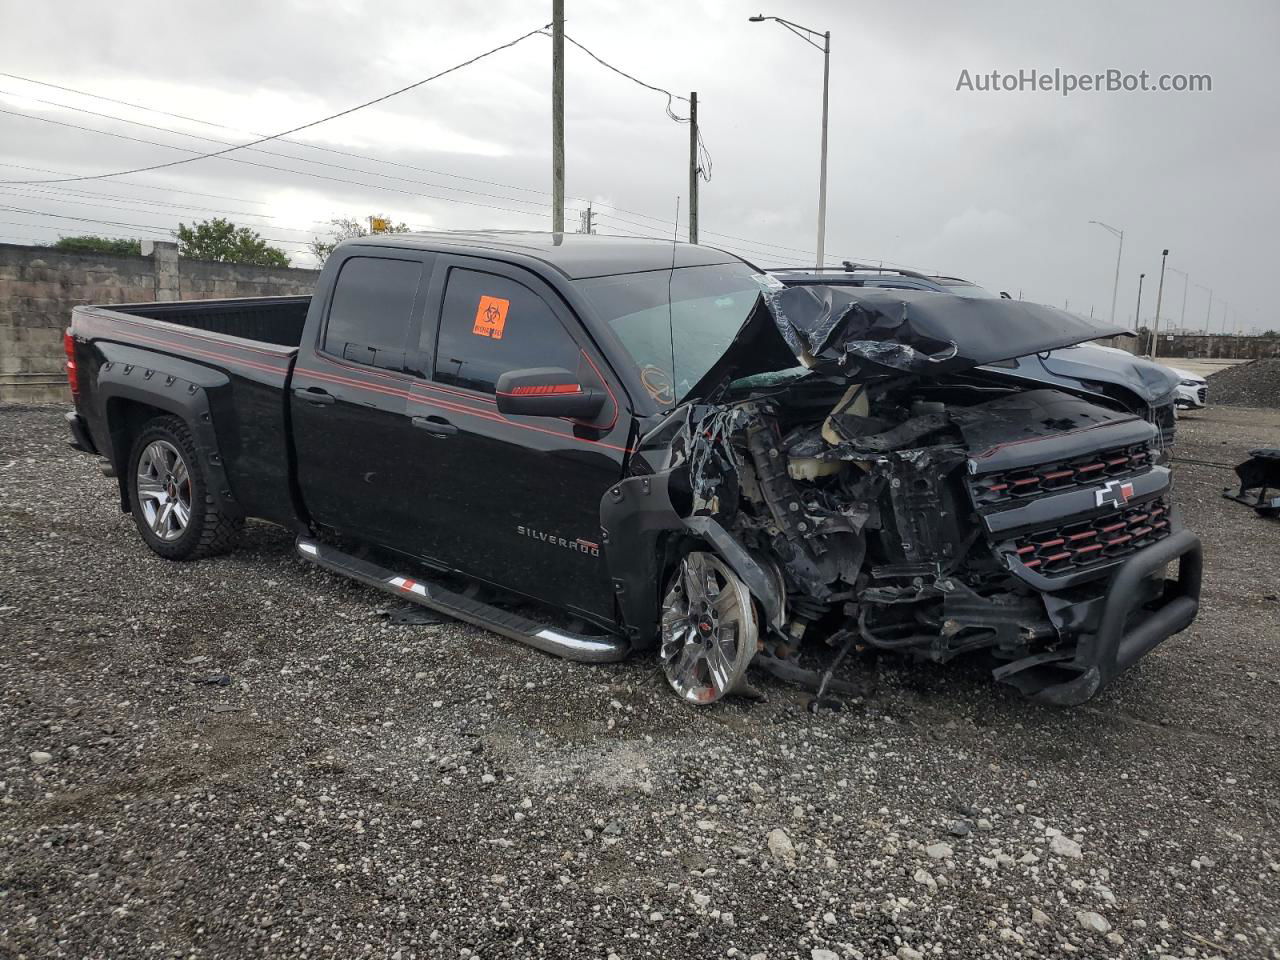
490 324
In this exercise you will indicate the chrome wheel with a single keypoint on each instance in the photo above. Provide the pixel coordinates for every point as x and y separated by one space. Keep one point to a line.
708 630
164 490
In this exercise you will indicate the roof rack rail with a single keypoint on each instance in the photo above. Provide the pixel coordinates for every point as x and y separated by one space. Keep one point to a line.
850 267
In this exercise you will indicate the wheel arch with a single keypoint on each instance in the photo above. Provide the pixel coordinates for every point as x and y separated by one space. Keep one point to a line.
644 537
129 404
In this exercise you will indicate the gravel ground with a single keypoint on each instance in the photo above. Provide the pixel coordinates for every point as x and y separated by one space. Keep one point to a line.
357 789
1252 384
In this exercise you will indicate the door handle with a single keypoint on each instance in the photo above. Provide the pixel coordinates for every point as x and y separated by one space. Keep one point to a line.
436 426
314 395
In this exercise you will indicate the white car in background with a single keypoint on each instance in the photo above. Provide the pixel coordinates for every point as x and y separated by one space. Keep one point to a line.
1192 389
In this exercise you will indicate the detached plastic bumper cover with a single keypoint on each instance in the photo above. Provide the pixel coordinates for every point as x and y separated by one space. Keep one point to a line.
80 439
1113 649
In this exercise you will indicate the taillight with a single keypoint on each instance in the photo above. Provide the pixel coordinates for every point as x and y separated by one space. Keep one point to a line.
73 376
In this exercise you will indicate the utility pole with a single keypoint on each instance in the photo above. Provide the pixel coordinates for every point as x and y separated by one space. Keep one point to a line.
586 220
1164 255
557 116
1115 289
693 167
1137 313
1207 311
1186 282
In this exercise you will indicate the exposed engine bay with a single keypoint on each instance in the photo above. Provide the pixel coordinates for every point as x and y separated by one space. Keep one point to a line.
867 505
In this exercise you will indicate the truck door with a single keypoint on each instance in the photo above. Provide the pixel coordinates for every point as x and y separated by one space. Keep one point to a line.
514 501
350 395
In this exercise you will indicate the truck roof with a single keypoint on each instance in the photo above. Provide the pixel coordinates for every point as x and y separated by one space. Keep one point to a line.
575 255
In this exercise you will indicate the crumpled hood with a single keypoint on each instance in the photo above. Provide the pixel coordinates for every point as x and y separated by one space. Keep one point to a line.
845 329
1149 380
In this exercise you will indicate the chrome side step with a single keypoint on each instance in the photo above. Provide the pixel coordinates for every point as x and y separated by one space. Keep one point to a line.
561 643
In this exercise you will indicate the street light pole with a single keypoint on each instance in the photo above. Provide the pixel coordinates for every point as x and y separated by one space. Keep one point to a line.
1164 255
822 174
807 35
1115 289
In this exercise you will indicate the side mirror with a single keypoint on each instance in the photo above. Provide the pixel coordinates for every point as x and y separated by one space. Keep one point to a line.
547 392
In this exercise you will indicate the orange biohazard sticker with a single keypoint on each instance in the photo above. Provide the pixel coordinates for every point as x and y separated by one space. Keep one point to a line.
491 317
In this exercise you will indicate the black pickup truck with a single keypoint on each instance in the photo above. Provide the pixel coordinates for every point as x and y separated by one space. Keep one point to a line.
602 445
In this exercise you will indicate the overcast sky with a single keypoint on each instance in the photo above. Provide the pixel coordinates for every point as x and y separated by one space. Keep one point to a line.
997 186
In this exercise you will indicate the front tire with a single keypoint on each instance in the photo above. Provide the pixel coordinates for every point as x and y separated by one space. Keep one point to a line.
176 515
708 630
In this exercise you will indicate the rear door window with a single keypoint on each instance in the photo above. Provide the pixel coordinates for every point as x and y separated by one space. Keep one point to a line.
372 311
490 324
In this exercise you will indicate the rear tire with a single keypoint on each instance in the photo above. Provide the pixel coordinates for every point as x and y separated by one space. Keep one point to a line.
175 512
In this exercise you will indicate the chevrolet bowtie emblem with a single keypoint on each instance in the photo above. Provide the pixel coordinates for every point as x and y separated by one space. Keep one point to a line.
1116 493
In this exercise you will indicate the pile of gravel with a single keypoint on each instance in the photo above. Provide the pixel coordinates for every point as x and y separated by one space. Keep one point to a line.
1252 384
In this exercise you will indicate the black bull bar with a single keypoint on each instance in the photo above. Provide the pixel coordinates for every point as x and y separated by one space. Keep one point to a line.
1113 649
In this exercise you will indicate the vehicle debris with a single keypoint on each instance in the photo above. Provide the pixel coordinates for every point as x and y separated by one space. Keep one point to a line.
1259 482
415 616
214 680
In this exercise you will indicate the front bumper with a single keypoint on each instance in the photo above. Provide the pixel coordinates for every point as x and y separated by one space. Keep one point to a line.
1125 634
1194 397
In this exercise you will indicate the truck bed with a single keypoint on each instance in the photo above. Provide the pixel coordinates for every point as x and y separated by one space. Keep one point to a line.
222 365
277 320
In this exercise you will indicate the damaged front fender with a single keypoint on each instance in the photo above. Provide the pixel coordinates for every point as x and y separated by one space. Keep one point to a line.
644 536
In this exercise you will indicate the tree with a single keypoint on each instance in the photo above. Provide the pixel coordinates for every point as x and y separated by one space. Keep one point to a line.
89 243
344 228
222 240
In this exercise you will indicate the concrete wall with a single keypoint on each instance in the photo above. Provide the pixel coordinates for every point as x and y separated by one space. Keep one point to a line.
39 286
1194 346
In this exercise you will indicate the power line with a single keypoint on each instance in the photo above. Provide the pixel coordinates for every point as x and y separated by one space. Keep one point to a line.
41 226
704 156
154 228
705 161
762 246
749 255
269 153
742 249
304 145
252 163
308 146
40 194
303 126
321 224
140 186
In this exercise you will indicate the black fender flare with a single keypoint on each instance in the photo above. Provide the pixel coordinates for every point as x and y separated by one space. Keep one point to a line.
173 386
636 515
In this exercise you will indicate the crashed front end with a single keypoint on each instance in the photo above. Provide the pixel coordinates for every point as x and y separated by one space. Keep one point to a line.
886 495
